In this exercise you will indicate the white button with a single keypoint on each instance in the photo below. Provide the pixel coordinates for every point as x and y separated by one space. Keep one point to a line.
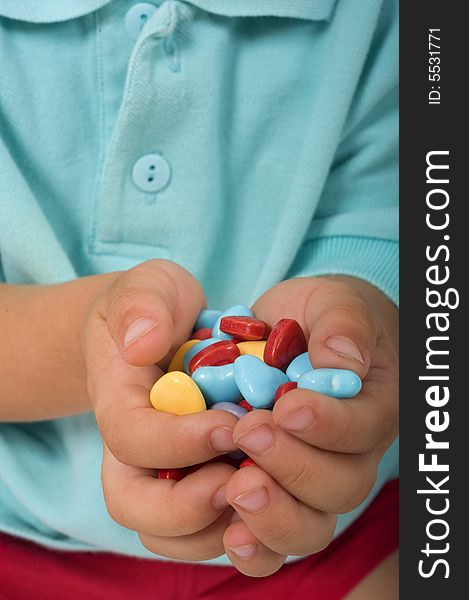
136 18
151 173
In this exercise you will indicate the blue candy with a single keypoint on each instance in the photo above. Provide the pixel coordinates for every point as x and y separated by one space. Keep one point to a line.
239 310
206 318
217 384
298 366
238 412
256 381
231 407
194 350
338 383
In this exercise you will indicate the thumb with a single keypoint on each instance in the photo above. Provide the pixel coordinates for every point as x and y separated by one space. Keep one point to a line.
150 310
342 326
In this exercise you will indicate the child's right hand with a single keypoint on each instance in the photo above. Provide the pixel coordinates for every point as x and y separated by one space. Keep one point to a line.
131 330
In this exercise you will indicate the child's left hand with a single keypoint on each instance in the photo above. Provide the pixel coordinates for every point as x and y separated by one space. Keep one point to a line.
317 456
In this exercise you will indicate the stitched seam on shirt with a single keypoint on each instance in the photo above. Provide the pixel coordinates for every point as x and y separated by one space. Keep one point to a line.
133 65
101 130
171 43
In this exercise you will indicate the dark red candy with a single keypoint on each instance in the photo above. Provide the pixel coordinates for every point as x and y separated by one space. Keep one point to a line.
202 334
247 329
284 388
215 355
176 474
285 342
247 462
245 405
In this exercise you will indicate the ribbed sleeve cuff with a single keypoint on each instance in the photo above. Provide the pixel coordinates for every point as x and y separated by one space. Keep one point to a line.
371 259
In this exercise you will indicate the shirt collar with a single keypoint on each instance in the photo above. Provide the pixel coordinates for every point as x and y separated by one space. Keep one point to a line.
311 10
50 11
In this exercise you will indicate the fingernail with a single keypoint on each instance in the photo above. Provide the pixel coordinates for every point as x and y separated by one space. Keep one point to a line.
137 329
253 501
345 347
221 440
244 552
219 498
300 420
235 518
257 440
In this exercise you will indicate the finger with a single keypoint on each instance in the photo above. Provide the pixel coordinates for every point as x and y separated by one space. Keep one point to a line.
150 310
328 481
145 437
342 328
203 545
362 424
141 436
137 500
275 517
248 554
336 318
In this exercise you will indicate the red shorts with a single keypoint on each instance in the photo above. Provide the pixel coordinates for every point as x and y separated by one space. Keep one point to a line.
31 571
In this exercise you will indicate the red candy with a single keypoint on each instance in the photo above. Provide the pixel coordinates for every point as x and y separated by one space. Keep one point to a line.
215 355
284 388
175 474
202 334
247 462
247 329
245 405
285 342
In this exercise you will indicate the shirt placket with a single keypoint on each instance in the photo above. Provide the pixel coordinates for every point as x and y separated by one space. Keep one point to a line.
135 168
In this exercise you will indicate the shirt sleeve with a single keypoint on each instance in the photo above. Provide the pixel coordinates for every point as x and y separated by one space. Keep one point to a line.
355 227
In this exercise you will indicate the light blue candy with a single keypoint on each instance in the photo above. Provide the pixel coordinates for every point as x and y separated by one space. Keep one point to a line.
207 318
217 384
298 366
256 381
239 310
338 383
231 407
194 350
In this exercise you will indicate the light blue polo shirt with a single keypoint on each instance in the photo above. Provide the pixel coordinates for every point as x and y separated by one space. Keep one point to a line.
248 140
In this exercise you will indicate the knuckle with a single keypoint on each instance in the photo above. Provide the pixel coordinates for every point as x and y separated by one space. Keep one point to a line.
298 476
356 492
148 542
113 437
185 522
325 536
175 452
115 512
352 306
125 301
212 547
341 432
282 539
113 504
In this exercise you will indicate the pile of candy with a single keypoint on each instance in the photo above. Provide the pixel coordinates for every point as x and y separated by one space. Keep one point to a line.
237 363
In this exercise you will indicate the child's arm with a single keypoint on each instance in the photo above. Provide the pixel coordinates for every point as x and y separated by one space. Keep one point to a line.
42 366
318 456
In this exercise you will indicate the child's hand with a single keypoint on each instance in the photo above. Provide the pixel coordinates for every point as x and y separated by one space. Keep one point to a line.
144 315
317 455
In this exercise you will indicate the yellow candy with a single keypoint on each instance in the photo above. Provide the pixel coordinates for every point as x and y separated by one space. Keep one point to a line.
176 393
176 361
254 348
